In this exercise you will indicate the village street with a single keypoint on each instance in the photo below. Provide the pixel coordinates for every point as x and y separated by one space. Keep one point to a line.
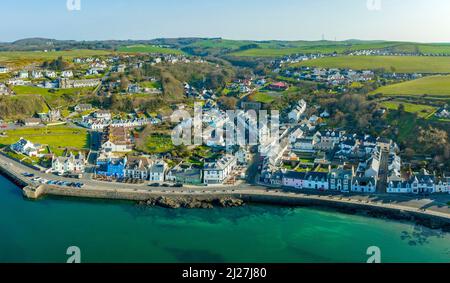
433 205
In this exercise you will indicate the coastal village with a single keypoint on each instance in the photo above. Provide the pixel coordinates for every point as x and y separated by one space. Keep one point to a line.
308 154
225 140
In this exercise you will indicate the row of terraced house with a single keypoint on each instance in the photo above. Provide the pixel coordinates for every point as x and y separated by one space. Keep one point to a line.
148 169
345 180
355 164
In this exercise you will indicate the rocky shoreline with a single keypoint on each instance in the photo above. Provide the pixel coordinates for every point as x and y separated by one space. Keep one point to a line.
190 202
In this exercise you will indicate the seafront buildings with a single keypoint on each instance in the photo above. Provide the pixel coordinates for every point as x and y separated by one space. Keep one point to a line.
26 147
308 155
69 165
218 171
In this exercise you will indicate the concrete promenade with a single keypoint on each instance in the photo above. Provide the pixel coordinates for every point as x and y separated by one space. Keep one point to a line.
432 206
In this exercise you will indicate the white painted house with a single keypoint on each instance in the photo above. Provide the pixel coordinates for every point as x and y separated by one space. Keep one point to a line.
4 70
298 111
26 147
158 170
103 114
50 74
217 172
120 147
364 185
36 74
137 168
306 180
23 75
71 164
67 74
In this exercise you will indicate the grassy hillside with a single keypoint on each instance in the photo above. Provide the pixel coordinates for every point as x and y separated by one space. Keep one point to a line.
281 48
23 106
172 77
423 111
435 48
435 86
309 48
149 49
55 97
400 64
275 48
220 43
24 58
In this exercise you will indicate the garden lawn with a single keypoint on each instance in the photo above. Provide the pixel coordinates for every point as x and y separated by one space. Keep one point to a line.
57 138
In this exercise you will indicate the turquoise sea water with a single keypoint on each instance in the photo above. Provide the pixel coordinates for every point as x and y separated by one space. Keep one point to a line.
41 231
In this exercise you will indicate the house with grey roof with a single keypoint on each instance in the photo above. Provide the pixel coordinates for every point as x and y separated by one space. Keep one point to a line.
364 184
157 171
218 171
137 168
341 179
70 164
185 174
306 180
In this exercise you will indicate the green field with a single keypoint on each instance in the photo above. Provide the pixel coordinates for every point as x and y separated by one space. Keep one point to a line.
149 49
434 86
277 52
282 48
276 49
423 111
55 97
57 138
221 43
431 48
399 64
24 58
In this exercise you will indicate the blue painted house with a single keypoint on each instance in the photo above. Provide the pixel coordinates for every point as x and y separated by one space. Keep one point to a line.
111 167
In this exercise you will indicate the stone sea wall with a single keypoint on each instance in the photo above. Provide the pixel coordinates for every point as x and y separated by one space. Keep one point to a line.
13 178
430 221
144 197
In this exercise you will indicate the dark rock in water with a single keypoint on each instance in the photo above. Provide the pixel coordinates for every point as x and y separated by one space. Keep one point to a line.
229 202
168 202
189 202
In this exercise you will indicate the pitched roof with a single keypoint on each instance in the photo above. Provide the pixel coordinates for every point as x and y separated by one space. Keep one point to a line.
317 176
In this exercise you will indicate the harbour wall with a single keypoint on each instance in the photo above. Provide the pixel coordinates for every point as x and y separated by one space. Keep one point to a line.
429 219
